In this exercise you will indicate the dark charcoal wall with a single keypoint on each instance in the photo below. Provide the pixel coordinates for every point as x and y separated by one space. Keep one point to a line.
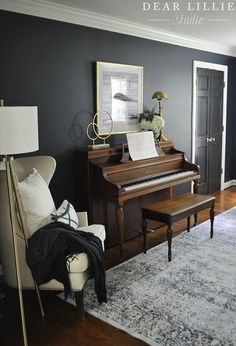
52 65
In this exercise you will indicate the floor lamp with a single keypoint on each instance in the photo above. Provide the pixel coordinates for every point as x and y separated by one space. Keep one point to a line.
18 135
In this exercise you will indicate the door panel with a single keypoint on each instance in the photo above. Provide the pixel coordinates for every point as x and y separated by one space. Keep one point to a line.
203 80
201 128
214 167
216 123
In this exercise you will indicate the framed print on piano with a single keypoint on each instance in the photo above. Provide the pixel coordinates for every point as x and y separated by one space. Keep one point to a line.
120 93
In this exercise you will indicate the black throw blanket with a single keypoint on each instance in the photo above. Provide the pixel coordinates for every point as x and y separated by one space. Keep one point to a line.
50 247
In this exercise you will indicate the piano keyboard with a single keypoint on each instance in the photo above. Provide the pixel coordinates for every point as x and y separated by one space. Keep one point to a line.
157 180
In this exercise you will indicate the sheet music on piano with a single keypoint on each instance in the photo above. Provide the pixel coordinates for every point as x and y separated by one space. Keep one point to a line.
141 145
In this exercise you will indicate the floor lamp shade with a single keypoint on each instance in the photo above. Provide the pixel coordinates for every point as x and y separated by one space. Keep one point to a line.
18 130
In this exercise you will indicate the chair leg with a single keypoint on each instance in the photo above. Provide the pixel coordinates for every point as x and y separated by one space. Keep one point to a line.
79 300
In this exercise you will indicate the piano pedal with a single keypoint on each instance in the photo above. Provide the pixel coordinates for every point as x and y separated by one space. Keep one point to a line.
150 230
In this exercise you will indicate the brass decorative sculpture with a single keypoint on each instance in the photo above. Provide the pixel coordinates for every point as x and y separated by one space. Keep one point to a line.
94 125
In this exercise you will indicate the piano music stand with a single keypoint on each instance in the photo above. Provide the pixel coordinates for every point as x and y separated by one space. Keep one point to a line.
125 153
160 152
126 156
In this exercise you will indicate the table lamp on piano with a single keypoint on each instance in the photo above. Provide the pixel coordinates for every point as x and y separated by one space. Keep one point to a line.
159 95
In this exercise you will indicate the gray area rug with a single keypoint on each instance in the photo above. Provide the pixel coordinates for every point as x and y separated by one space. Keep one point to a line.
189 301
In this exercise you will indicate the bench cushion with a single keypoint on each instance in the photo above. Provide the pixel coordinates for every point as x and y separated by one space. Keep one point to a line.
177 207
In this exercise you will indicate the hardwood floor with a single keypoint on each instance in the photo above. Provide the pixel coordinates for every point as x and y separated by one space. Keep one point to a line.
61 326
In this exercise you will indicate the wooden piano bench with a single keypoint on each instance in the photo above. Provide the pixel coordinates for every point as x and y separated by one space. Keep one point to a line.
174 209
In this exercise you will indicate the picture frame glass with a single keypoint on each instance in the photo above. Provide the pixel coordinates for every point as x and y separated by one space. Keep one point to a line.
120 93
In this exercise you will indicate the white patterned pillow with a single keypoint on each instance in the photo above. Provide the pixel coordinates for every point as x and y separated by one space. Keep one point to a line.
66 214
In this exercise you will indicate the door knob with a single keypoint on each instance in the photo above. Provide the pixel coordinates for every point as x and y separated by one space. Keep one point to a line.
208 140
213 139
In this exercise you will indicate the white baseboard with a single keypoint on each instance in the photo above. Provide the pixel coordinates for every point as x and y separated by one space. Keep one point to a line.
229 184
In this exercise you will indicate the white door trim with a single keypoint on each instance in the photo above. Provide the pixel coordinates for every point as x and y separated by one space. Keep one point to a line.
218 67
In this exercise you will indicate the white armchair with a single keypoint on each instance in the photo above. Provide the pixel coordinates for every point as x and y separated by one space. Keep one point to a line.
79 268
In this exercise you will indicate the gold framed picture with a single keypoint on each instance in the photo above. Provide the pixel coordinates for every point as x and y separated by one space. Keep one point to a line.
120 93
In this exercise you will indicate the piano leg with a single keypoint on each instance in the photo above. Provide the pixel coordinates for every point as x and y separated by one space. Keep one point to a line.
144 235
169 238
196 186
120 225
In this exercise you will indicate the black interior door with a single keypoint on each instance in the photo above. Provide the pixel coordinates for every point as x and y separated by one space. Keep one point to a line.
209 110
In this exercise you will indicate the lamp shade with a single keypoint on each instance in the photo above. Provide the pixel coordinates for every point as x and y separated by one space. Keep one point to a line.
18 130
159 95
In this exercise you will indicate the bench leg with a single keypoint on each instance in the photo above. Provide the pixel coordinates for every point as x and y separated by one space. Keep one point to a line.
212 216
188 224
144 235
169 238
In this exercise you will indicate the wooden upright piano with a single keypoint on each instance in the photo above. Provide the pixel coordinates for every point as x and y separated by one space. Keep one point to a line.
114 192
